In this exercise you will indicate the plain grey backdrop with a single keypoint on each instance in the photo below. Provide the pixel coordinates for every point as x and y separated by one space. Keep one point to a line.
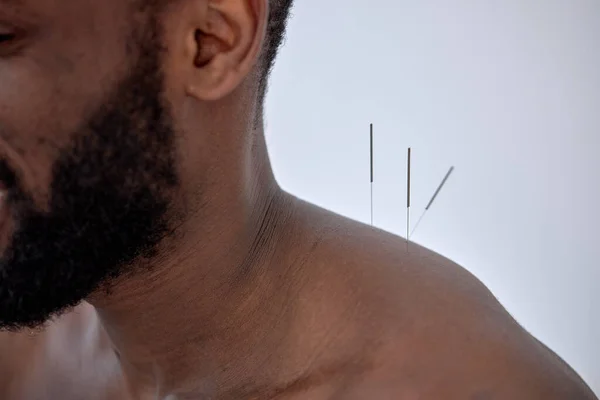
508 91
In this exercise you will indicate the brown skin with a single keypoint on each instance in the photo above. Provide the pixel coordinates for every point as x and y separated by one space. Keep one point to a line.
261 295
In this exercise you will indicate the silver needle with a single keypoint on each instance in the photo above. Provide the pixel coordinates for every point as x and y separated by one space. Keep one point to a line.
433 198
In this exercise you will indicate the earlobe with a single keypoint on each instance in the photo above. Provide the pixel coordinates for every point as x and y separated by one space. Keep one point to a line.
227 44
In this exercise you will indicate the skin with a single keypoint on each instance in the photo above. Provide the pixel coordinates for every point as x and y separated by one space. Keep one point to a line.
248 292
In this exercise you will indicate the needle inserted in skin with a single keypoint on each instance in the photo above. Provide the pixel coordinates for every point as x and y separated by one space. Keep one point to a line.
433 198
408 199
371 174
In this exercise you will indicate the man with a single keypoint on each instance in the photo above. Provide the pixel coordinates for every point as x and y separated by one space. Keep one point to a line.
148 253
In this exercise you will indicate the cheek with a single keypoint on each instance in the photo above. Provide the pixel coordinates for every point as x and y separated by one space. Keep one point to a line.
42 105
53 85
38 118
32 120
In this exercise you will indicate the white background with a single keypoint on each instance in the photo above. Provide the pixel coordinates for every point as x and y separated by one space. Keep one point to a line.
508 91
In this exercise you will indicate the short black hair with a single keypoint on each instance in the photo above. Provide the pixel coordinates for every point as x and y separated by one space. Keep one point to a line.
279 12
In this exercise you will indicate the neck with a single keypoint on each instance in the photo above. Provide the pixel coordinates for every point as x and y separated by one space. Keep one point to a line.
209 306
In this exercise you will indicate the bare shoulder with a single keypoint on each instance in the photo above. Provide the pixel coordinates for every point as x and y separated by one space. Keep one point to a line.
439 332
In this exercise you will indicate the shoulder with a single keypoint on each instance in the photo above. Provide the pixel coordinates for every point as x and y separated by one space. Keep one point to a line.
490 371
441 332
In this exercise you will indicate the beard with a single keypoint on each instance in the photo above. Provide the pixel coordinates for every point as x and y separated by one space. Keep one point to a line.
108 203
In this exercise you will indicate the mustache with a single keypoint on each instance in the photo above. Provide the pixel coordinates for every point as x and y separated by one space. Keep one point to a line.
8 177
14 196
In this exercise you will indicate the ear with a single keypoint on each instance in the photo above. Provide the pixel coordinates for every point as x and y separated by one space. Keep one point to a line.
217 43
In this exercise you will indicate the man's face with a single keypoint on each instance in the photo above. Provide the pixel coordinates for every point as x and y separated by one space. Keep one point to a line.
86 151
